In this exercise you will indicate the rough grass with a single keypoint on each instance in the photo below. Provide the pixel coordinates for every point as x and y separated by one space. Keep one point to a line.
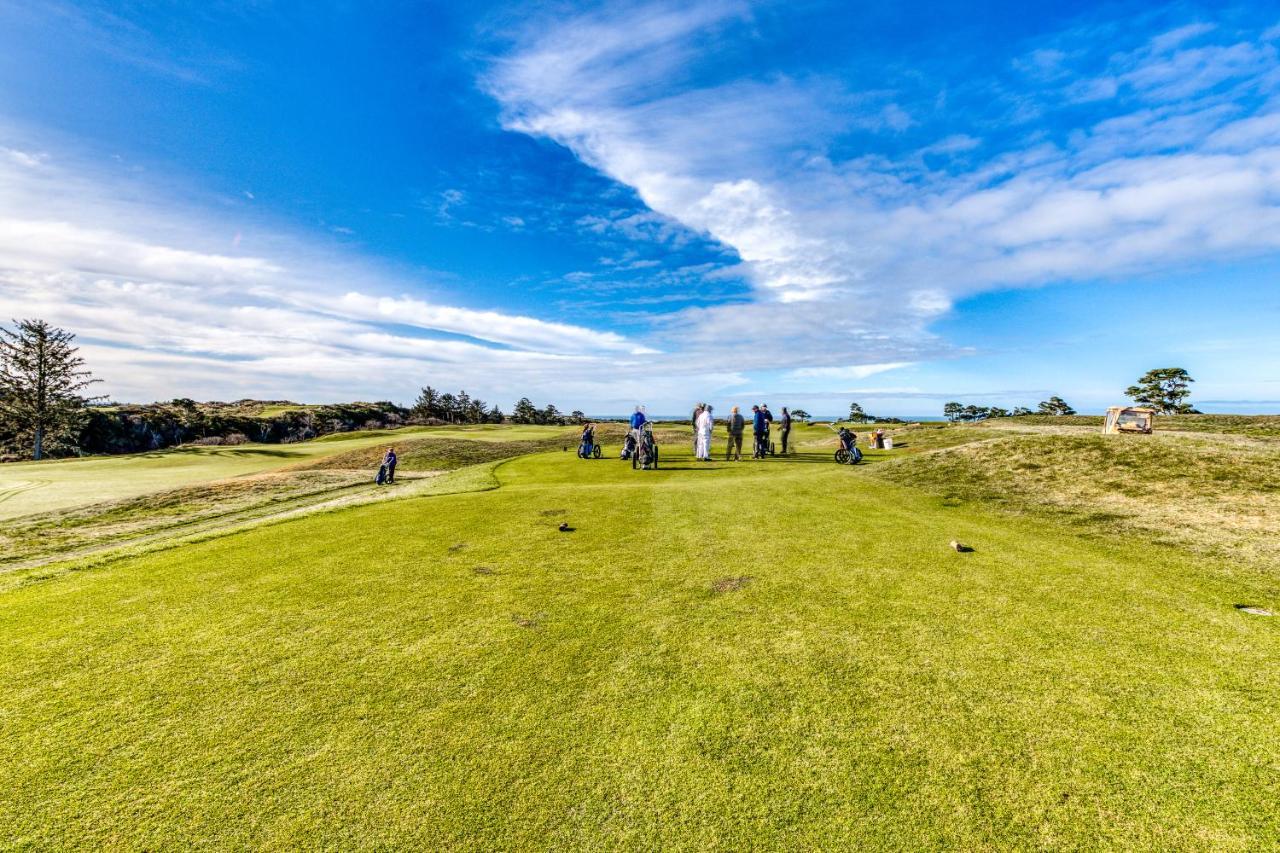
33 536
1259 426
440 454
1210 497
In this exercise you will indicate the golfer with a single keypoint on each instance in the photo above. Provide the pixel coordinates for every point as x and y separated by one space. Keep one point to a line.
702 429
736 424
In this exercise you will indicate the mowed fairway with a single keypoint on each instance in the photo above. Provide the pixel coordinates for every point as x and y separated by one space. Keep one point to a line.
782 654
27 488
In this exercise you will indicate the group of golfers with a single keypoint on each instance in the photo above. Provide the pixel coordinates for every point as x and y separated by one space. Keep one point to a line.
704 423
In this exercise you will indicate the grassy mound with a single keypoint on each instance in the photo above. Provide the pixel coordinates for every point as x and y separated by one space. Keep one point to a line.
438 454
1212 497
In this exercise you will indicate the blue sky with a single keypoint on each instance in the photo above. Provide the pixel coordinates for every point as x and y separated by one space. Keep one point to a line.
604 204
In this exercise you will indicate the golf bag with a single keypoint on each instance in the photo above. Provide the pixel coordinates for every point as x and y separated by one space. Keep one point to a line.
628 446
382 475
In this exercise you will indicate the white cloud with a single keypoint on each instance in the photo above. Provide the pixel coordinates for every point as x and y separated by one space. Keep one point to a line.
851 260
856 371
159 311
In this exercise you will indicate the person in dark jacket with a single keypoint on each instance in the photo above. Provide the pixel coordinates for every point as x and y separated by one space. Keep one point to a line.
390 461
736 424
760 432
785 420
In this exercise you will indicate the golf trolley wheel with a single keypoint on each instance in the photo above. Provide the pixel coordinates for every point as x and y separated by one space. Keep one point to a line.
842 456
595 451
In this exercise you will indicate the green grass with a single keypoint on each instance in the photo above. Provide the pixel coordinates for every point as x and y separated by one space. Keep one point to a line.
779 654
28 488
1217 497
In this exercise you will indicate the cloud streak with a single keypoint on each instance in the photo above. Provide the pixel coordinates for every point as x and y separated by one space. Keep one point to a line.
853 258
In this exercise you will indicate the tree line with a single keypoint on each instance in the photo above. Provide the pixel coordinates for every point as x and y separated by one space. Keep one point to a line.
460 408
1164 389
43 408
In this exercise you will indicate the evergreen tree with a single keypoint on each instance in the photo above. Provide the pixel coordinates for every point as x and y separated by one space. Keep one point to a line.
449 407
524 412
427 405
1020 411
1055 406
1164 389
41 376
494 415
952 410
800 414
857 415
997 412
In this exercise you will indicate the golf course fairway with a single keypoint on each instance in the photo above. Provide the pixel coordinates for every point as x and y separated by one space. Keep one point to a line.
776 654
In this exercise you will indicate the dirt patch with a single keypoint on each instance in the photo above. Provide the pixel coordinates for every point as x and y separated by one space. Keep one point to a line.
456 547
731 584
484 570
533 621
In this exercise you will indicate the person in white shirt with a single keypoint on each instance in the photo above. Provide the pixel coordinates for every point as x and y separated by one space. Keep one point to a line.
702 429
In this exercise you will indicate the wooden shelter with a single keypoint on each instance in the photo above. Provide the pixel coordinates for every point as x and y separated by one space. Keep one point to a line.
1128 419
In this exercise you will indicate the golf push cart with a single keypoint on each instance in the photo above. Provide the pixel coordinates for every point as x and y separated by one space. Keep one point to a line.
641 449
848 454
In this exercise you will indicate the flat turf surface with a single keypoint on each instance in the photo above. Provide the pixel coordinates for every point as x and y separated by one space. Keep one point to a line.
37 487
756 655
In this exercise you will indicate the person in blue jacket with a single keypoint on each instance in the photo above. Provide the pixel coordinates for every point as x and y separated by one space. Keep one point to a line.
760 430
638 419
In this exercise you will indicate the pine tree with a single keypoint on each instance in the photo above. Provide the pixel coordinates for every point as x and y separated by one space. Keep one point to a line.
41 376
952 410
1055 406
428 404
524 412
1164 389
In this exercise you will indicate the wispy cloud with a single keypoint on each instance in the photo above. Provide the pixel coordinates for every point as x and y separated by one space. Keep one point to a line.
851 260
141 283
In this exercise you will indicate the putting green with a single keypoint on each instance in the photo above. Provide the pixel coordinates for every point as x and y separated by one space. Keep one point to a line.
777 654
37 487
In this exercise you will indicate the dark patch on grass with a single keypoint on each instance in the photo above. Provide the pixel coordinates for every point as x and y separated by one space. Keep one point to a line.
553 512
456 547
484 570
1255 609
531 622
731 584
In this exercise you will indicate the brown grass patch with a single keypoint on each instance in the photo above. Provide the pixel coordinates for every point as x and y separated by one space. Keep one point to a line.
731 584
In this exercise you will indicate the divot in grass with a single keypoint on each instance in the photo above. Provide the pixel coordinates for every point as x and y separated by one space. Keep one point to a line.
533 621
484 570
456 547
731 584
1255 609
